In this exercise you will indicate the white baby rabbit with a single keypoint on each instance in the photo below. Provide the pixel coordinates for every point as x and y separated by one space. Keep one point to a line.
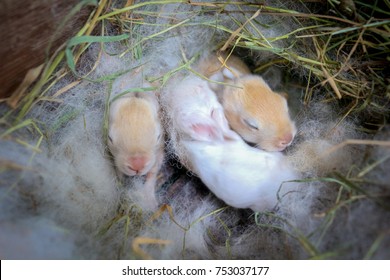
240 175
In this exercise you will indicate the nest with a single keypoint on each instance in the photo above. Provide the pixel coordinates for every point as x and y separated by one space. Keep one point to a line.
330 56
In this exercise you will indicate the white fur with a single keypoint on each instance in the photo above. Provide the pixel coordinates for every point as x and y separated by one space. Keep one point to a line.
70 183
195 110
35 238
242 176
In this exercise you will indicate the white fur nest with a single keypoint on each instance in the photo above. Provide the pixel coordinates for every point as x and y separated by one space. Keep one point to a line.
67 196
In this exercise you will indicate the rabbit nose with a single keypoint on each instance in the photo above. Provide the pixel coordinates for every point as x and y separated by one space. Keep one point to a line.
285 140
137 163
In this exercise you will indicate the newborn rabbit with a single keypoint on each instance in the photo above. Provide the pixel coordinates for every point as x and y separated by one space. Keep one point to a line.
135 138
259 115
240 175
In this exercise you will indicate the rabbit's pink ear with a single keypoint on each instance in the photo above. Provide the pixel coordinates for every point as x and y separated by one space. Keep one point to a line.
202 128
205 132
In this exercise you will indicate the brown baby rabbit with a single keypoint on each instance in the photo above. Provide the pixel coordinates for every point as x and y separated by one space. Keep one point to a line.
258 114
135 138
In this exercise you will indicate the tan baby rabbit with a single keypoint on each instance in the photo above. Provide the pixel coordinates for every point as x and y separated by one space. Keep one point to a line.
135 138
258 114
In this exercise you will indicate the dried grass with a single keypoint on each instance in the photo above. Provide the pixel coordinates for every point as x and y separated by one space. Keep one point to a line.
343 54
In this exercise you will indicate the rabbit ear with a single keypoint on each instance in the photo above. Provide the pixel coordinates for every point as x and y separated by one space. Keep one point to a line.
202 128
231 73
206 132
217 77
220 119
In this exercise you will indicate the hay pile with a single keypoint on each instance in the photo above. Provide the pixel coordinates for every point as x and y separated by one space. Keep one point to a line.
58 184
